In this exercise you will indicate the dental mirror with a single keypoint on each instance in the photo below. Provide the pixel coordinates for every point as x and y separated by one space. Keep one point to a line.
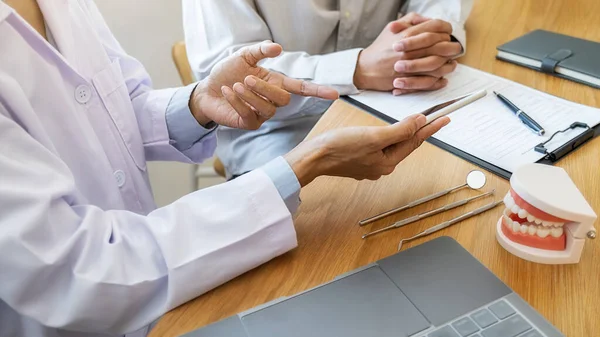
475 180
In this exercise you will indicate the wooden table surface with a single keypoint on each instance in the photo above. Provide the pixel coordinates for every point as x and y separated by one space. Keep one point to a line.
330 240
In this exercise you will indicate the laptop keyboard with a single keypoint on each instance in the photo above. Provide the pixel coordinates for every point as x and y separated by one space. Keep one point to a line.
499 319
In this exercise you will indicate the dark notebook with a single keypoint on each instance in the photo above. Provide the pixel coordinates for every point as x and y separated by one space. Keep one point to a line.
560 55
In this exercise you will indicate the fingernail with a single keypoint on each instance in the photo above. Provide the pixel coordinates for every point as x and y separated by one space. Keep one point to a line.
239 88
400 67
398 46
399 83
250 81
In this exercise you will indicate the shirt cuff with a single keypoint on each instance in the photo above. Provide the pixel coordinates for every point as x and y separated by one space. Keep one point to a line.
184 130
459 34
337 70
285 181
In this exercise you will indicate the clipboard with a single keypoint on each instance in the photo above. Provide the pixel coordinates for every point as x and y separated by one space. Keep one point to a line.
559 153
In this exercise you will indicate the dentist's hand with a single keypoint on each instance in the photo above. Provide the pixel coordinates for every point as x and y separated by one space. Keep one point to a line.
360 152
240 94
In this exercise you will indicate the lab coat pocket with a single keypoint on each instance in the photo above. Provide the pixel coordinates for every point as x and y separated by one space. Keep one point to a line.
113 92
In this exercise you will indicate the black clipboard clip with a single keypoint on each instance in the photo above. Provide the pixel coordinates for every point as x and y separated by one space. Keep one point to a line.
564 149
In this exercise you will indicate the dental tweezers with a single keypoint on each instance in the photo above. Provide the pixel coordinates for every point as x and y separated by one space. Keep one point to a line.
428 214
448 223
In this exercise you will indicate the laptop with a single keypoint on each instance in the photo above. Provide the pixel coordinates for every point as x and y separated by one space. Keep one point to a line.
436 289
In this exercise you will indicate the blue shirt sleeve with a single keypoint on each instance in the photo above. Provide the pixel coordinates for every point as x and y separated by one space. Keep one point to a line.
184 130
285 181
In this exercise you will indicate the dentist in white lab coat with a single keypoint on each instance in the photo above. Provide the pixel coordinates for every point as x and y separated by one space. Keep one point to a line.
83 249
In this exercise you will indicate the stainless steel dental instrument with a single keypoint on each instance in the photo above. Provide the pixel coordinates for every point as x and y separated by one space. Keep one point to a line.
448 223
475 180
428 214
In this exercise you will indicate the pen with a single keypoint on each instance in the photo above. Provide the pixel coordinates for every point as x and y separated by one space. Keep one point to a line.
533 125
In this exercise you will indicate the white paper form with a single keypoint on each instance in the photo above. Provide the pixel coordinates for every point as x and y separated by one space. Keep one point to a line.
486 128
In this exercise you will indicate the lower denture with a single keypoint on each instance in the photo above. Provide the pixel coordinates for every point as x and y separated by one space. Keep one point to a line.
549 242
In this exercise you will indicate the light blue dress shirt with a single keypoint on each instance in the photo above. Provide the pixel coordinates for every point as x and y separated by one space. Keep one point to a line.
185 131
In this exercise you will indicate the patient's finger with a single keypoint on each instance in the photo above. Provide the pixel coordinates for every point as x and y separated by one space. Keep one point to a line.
398 92
442 71
438 84
306 88
445 49
414 82
272 92
421 65
434 26
264 108
420 41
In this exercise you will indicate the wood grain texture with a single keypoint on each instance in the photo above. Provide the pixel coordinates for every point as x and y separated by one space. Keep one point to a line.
328 234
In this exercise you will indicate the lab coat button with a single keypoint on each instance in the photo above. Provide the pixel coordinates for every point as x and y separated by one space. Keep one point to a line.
120 177
83 94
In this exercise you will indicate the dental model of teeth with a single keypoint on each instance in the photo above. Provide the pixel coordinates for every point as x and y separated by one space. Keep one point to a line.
546 219
528 223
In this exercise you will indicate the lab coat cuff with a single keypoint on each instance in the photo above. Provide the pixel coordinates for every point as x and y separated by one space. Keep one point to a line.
285 181
337 70
184 130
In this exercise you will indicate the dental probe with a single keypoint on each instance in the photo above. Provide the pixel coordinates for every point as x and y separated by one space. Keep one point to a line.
428 214
445 224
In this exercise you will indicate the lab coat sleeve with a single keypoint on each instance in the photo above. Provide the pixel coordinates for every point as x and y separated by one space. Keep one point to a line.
217 29
71 265
456 12
150 105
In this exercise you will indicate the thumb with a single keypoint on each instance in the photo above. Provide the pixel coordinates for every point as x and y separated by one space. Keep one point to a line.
402 130
256 52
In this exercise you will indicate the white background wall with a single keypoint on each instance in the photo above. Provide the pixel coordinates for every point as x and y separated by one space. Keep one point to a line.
147 29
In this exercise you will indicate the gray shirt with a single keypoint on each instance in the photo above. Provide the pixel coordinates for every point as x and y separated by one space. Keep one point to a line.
321 41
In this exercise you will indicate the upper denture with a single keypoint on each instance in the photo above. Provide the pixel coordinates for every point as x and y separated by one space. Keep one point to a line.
535 212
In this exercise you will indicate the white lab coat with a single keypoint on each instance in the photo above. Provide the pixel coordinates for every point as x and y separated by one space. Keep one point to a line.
83 252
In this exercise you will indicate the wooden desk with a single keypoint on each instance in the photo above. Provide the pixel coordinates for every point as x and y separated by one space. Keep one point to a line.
329 238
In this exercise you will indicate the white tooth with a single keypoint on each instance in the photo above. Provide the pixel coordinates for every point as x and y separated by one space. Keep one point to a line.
543 232
556 232
508 221
515 209
531 229
516 227
523 229
546 223
559 224
530 218
537 221
506 199
523 214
